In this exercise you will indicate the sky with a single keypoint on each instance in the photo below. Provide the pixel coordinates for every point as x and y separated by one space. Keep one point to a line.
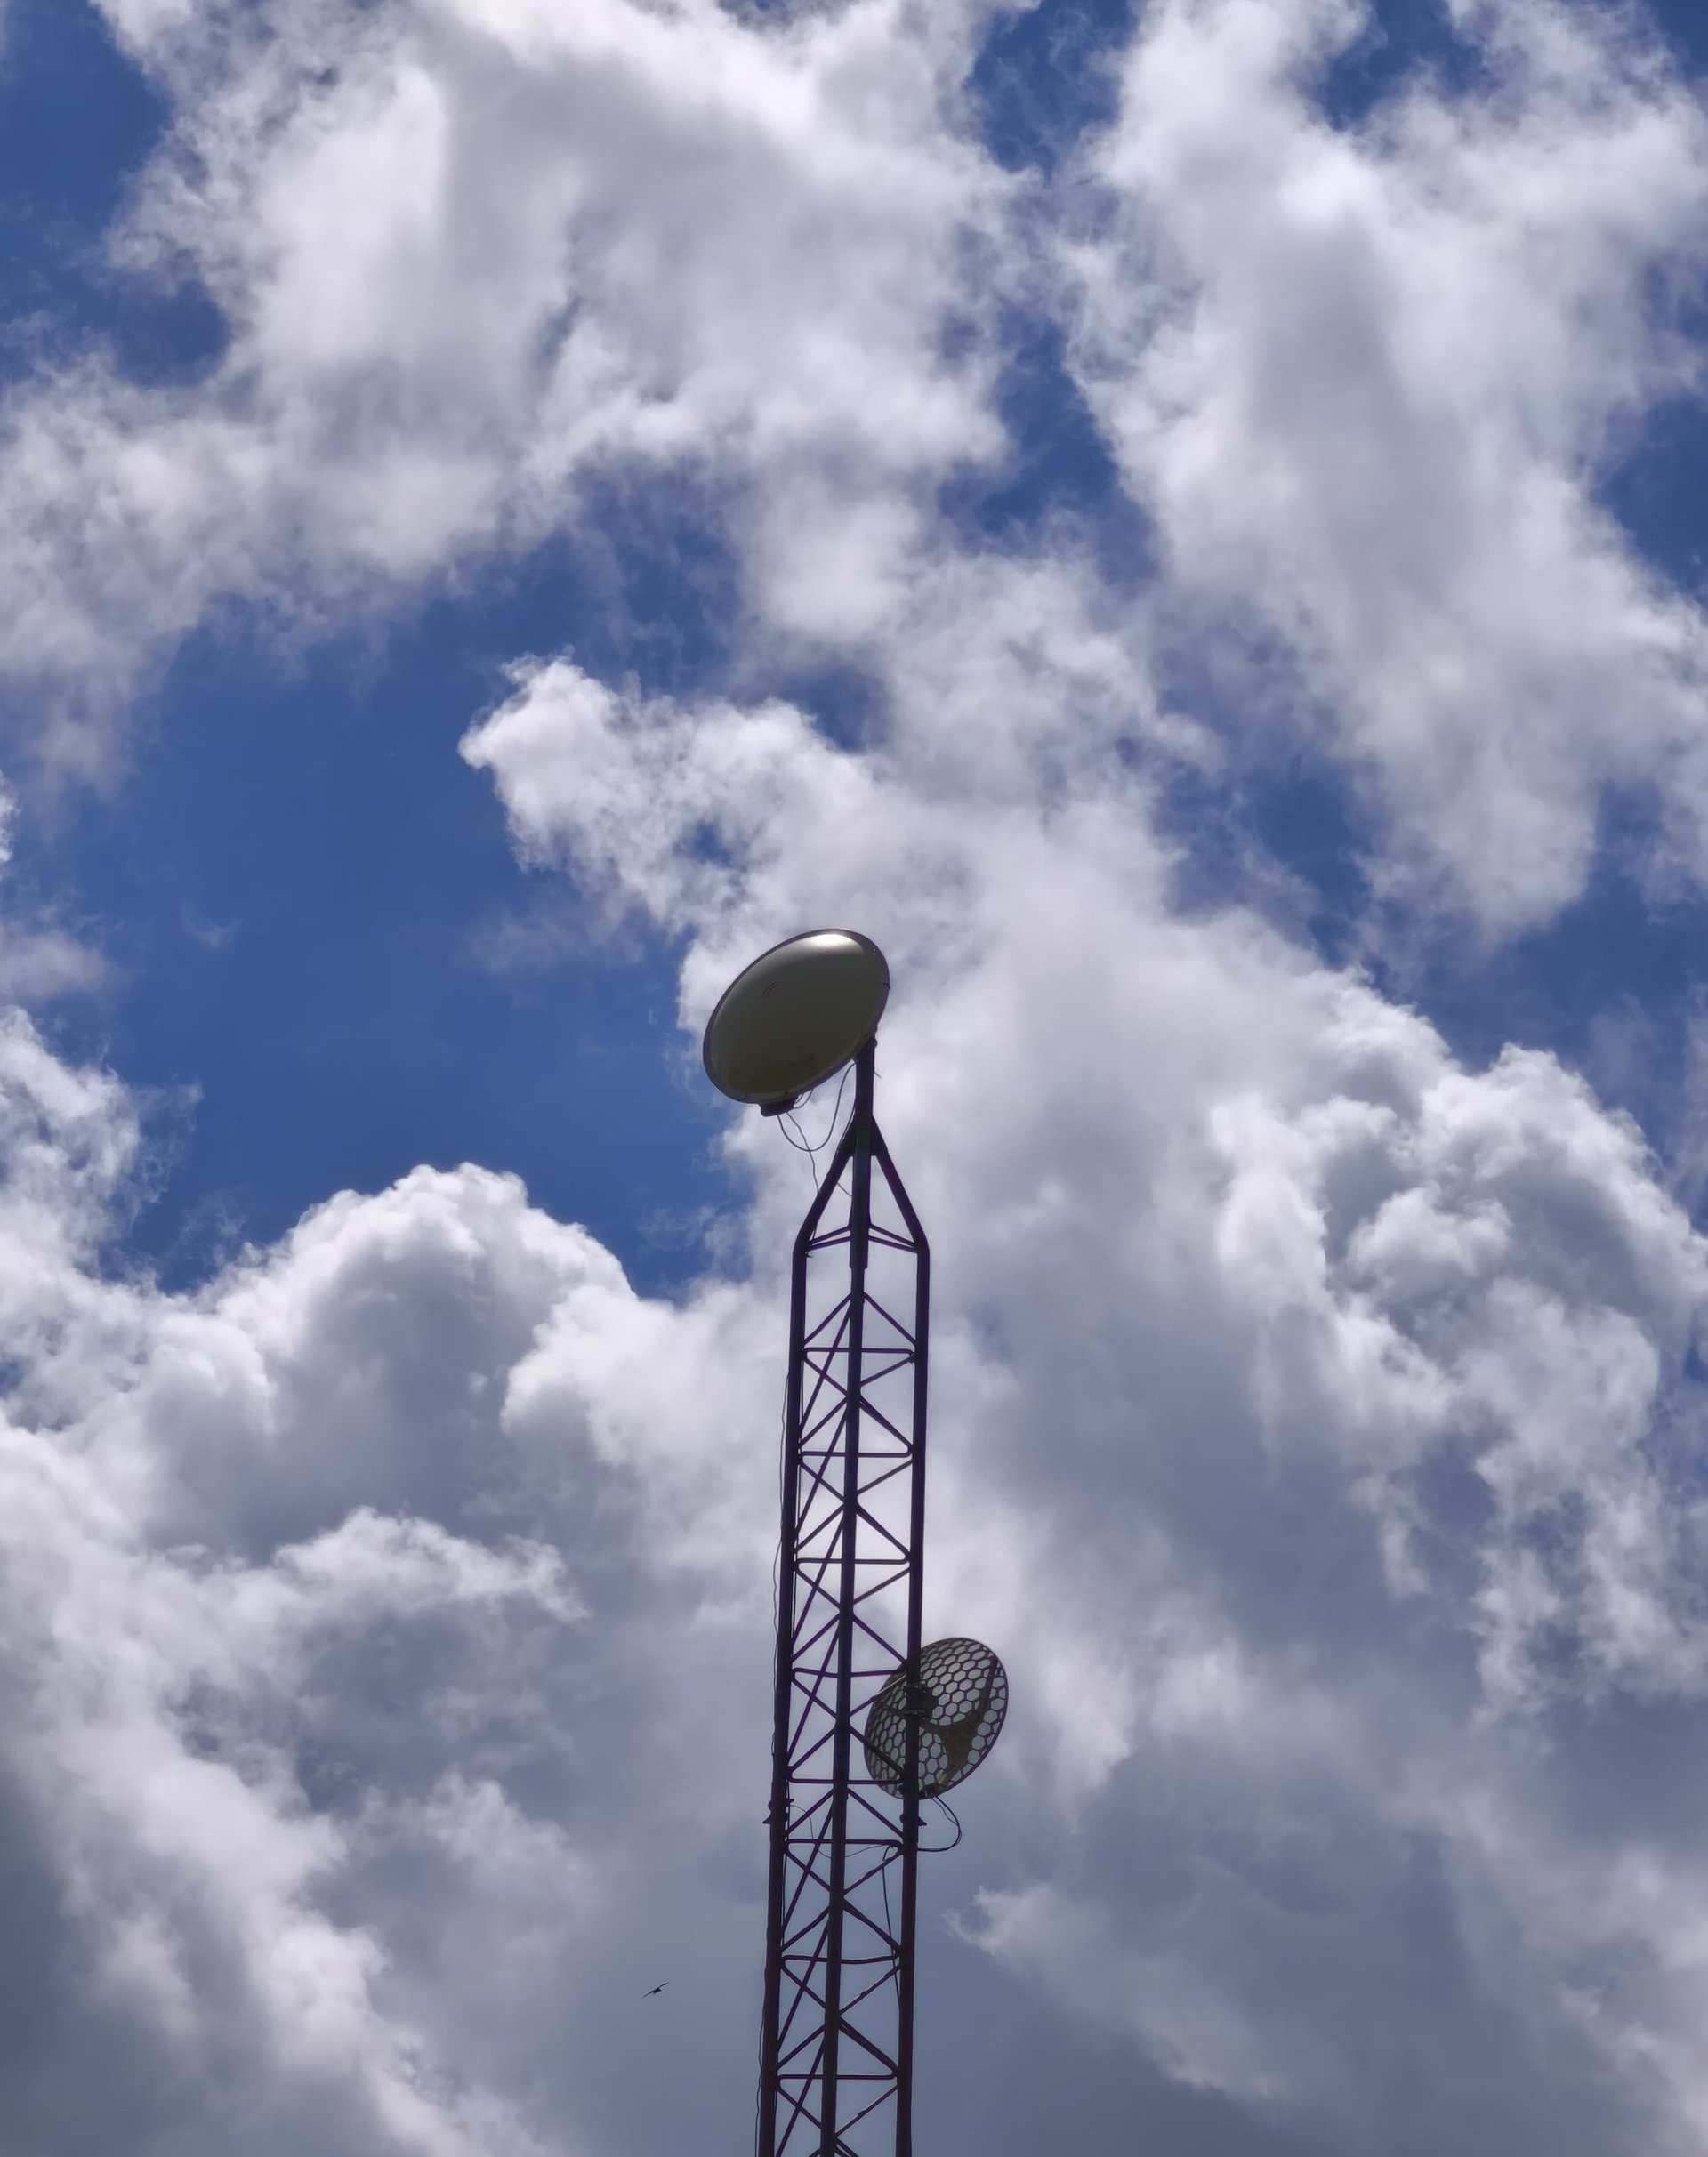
1185 522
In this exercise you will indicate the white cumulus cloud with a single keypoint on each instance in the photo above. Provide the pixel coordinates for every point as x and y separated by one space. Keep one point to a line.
1318 1419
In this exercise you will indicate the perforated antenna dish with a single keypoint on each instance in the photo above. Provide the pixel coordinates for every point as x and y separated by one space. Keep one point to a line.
958 1703
796 1017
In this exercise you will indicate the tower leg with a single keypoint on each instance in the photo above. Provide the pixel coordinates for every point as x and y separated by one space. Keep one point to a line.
836 2056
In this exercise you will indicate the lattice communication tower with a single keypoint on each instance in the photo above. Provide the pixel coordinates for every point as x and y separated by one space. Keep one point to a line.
869 1722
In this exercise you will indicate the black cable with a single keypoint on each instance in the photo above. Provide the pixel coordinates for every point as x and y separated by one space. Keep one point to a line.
836 1111
937 1849
802 1145
800 1140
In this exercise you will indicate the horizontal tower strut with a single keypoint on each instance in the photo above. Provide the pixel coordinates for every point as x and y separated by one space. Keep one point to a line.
836 2055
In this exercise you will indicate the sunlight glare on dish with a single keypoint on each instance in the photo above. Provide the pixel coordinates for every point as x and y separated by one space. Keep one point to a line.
795 1016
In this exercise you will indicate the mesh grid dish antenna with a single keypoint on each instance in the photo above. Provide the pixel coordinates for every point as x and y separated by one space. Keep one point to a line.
794 1017
957 1704
867 1721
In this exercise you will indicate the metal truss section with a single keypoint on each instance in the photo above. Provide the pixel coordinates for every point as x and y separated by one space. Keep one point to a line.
836 2070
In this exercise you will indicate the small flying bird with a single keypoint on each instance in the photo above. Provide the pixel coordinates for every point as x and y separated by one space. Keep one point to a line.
656 1990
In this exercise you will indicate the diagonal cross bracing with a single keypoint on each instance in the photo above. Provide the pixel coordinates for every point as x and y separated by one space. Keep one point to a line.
837 2049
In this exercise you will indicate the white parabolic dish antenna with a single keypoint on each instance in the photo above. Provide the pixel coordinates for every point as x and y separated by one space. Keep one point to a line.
796 1016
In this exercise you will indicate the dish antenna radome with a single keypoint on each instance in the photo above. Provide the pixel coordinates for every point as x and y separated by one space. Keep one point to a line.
959 1704
796 1017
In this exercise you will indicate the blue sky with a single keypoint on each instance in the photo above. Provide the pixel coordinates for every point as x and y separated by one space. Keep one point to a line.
265 914
1186 524
255 928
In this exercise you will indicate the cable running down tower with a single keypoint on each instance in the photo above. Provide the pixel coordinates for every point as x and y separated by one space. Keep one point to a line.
868 1721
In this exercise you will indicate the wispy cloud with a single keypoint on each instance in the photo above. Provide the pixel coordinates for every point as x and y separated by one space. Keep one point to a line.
1318 1416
